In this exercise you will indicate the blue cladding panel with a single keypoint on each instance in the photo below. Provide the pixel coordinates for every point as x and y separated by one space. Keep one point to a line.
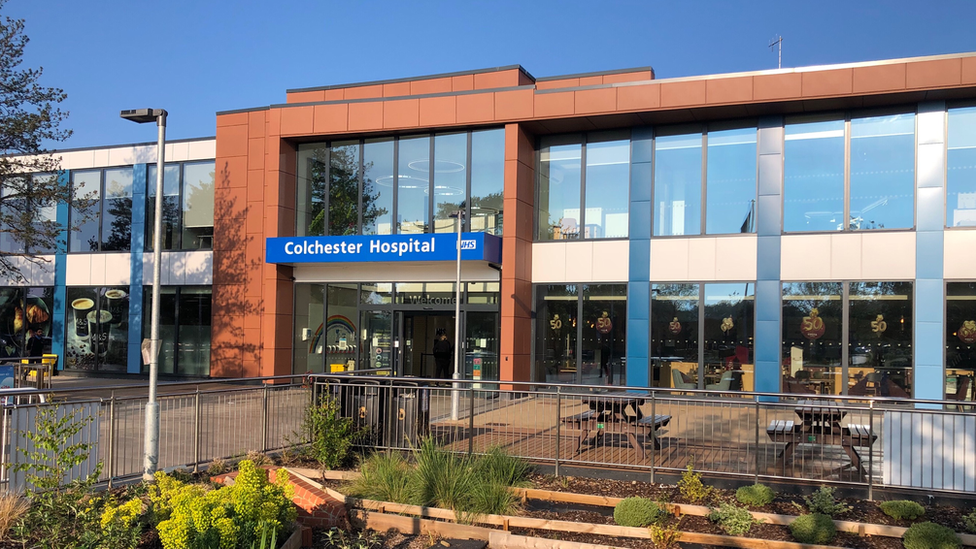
929 381
640 183
931 165
928 301
638 300
929 253
931 209
134 364
769 216
928 342
770 175
60 277
768 294
637 332
640 220
768 340
771 135
767 376
641 145
640 260
768 257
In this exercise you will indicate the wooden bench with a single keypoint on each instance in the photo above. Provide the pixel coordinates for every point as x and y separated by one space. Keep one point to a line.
857 436
593 424
652 425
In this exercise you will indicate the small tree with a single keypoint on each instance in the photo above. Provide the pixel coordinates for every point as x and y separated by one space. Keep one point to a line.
331 435
29 184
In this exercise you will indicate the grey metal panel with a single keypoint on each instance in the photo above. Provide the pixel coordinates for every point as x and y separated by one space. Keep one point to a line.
23 421
931 122
931 166
770 175
930 209
929 450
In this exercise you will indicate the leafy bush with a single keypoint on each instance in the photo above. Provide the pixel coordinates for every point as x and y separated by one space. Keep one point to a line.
61 514
735 521
902 509
691 486
12 508
638 512
122 525
756 495
969 522
331 435
823 502
384 477
815 529
192 516
928 535
665 537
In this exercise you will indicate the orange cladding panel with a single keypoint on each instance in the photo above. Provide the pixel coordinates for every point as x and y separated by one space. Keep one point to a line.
879 78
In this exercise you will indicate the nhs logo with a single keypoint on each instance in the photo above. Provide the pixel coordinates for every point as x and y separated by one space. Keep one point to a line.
469 244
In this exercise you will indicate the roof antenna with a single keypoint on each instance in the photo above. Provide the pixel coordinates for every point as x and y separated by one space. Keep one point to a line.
778 41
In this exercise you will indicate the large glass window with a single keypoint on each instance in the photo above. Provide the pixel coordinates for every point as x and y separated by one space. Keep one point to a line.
557 312
813 188
881 177
184 329
96 328
560 176
880 346
960 357
607 184
677 184
450 153
674 336
20 209
728 331
171 207
961 168
604 329
883 172
406 185
812 337
86 184
12 204
26 321
188 206
730 188
117 210
487 181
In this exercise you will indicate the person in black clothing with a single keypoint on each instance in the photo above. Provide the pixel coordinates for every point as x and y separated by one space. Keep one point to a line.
443 349
35 345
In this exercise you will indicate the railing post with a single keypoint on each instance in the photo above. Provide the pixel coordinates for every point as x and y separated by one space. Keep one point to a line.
871 451
653 433
757 440
196 431
264 422
559 422
111 439
471 420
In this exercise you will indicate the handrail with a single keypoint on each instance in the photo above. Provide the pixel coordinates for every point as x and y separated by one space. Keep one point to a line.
245 380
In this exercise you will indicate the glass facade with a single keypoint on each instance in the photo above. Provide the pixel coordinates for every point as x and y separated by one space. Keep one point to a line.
813 337
404 185
184 329
581 333
960 344
677 184
96 328
880 345
26 321
961 168
188 206
877 190
583 185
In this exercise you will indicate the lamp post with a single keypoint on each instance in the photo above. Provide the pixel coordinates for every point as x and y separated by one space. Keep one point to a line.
151 448
456 393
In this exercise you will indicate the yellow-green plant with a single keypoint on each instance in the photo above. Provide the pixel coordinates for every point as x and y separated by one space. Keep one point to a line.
121 524
664 536
691 486
193 516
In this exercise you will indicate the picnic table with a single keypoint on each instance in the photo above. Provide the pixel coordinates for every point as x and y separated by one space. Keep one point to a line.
608 413
821 424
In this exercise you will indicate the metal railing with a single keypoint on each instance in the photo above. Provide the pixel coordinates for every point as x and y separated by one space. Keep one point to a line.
200 421
866 442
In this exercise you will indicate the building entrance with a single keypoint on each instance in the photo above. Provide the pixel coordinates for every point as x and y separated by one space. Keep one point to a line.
420 333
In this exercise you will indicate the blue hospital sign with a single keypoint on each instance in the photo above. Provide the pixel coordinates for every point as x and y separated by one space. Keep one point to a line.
400 247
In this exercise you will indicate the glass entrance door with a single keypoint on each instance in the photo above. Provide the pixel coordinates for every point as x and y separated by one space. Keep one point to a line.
419 334
376 346
481 345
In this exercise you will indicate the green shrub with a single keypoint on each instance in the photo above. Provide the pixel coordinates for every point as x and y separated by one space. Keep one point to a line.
691 486
735 521
492 498
756 495
441 478
816 529
385 477
637 512
122 525
928 535
902 509
969 522
665 536
330 435
497 466
823 502
192 516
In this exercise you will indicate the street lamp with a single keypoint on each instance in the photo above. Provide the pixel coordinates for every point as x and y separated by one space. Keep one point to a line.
456 394
151 448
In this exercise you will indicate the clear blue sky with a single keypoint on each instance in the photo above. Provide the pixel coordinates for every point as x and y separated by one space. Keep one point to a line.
195 58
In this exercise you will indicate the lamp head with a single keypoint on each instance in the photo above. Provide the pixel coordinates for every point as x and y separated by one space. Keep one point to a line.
142 116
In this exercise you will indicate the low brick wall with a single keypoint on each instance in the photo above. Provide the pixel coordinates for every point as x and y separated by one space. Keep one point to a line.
316 509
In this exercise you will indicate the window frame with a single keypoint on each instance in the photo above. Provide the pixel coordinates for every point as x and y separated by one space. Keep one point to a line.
150 209
99 208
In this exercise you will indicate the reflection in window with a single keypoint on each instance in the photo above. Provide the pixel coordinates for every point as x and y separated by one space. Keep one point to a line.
730 189
198 206
603 346
880 339
812 337
27 315
960 383
313 170
86 184
813 188
729 323
413 185
450 176
674 336
557 309
171 206
558 209
607 188
677 184
344 190
487 181
184 329
378 187
961 169
883 172
117 210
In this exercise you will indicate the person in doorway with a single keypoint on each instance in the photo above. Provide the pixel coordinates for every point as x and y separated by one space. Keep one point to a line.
35 345
443 349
